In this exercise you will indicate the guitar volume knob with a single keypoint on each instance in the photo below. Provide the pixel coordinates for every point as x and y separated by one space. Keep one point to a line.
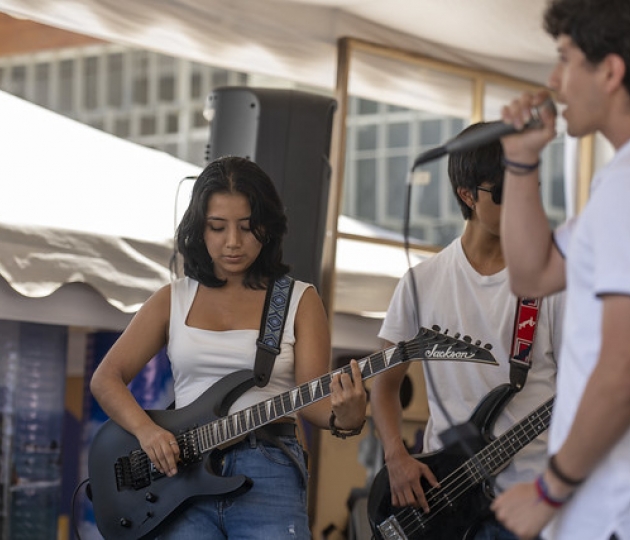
150 497
124 522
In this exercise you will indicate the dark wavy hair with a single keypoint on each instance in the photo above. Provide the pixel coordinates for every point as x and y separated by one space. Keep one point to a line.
472 168
597 27
268 221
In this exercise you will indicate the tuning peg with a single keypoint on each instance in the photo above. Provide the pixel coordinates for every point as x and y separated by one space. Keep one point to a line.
435 327
488 346
477 343
457 335
467 339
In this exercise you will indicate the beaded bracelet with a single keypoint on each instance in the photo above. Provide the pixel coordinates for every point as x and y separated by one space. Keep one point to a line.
520 169
343 433
545 496
555 470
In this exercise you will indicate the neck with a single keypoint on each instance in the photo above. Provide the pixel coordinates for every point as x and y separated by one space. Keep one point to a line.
483 250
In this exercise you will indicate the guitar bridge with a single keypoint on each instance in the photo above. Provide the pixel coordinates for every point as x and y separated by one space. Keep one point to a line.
133 471
390 529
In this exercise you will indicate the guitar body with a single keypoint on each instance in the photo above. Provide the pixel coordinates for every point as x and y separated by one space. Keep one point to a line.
132 500
132 514
454 515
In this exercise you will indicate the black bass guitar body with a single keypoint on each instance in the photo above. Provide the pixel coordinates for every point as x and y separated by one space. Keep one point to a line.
462 502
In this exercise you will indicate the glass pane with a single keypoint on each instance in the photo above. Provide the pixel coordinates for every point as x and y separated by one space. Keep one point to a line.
397 168
90 88
196 84
398 135
366 190
140 71
122 128
115 80
366 106
172 123
42 84
66 85
431 133
147 125
167 66
219 78
366 137
18 81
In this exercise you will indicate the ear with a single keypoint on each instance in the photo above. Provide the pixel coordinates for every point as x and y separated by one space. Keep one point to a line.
615 71
467 196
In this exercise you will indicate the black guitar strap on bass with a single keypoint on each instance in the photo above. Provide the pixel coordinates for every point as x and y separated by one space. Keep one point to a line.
525 322
271 328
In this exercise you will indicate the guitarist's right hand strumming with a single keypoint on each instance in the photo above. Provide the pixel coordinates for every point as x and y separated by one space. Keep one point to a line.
405 473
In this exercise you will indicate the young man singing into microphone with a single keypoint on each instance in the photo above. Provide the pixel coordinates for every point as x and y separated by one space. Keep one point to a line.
584 493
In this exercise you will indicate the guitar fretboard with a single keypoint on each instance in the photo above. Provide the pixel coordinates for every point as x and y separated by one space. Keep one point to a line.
426 345
234 425
504 448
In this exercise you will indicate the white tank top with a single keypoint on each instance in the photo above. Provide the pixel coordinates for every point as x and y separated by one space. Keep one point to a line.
199 358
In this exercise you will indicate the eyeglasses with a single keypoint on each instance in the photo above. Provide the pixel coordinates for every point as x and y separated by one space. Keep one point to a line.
496 191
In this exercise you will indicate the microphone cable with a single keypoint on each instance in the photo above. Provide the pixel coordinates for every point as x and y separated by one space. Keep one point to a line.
458 430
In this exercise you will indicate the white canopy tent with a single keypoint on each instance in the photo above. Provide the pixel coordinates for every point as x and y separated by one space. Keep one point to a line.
80 206
296 39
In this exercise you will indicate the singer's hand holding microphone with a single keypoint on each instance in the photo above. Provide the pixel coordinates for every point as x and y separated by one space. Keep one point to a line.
533 116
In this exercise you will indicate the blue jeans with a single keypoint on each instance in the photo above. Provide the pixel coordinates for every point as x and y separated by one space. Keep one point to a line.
275 506
492 530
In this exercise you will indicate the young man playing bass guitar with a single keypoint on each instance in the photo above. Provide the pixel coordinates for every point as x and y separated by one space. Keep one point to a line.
464 289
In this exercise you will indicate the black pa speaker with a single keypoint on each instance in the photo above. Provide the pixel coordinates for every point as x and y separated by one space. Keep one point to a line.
288 134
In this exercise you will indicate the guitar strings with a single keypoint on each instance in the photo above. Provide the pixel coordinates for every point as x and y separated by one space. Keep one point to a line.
413 520
217 432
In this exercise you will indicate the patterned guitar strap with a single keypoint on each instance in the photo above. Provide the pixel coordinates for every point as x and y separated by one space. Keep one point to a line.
525 322
268 347
271 328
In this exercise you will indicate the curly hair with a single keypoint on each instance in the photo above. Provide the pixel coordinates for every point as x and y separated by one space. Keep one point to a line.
471 168
268 221
597 27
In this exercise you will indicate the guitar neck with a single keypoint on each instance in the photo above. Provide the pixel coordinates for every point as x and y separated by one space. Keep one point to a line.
234 425
504 448
428 344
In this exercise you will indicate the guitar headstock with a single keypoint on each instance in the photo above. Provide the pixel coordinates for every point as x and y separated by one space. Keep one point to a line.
432 344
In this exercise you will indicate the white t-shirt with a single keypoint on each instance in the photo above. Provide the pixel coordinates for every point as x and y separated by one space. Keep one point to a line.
199 358
454 296
596 245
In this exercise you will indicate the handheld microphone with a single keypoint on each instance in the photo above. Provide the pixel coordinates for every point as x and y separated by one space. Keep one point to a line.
484 135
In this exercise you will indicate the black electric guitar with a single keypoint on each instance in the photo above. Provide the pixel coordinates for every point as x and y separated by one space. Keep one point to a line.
132 499
463 500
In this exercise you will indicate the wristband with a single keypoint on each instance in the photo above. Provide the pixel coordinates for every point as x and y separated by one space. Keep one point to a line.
343 433
555 470
520 169
545 496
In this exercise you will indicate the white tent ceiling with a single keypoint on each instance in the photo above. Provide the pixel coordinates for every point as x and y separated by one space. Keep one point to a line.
296 39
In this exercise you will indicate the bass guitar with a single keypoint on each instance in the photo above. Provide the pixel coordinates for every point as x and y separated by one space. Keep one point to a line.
463 500
131 499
